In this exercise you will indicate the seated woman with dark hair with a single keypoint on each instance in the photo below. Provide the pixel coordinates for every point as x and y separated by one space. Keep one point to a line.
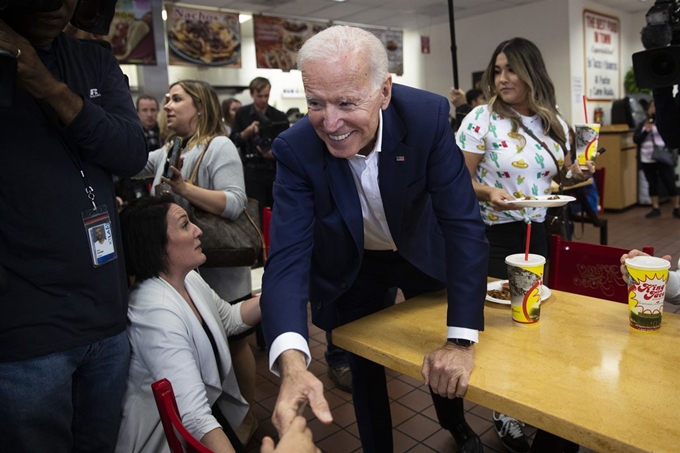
178 328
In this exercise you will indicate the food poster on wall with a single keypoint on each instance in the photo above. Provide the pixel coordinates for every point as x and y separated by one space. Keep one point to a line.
393 40
203 38
602 61
277 40
130 35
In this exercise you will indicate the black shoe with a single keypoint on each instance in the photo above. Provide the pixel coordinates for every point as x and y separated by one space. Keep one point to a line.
341 377
676 213
655 212
466 439
511 434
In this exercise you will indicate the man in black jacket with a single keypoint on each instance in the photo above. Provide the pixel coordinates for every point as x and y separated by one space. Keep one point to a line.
71 126
255 127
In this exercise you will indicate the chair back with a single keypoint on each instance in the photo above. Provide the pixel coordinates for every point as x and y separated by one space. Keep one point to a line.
588 269
179 439
266 221
599 184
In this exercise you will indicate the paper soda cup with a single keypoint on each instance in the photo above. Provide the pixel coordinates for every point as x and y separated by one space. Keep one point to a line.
525 278
647 277
586 137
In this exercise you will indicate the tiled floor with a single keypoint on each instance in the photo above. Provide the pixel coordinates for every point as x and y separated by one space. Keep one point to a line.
413 417
415 424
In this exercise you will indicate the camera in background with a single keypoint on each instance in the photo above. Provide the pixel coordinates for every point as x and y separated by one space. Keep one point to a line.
659 65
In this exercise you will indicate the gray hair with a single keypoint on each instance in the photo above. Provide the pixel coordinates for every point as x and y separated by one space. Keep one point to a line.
338 40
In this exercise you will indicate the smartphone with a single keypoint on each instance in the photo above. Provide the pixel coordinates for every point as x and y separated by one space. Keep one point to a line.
602 150
173 158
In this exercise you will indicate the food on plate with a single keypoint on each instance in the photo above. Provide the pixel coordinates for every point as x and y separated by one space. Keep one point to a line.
392 45
529 197
502 294
293 42
277 58
295 27
554 197
210 42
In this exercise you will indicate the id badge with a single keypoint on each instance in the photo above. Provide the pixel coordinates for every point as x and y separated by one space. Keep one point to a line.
99 235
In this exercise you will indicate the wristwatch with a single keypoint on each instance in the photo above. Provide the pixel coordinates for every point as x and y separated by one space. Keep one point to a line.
461 342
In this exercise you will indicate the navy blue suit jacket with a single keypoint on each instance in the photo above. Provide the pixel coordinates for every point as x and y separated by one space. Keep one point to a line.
317 233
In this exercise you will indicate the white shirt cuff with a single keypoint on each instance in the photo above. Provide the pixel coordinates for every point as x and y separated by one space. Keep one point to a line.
463 333
284 342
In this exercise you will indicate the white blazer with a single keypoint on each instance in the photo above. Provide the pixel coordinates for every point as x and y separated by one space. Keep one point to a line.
168 341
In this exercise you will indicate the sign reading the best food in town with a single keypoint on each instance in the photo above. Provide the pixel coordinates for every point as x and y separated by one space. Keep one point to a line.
602 62
130 35
199 37
277 40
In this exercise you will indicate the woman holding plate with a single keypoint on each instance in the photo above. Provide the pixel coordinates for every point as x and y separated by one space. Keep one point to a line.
514 146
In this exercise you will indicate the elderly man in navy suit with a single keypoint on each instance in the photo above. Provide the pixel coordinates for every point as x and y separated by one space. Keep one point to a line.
371 192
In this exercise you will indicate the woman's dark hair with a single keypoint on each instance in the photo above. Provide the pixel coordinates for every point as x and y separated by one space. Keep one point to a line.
144 227
527 62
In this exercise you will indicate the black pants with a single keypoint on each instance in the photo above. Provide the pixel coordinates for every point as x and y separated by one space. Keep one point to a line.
379 272
656 172
259 184
509 238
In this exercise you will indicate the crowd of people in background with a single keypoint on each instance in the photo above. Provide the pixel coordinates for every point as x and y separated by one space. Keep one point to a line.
372 191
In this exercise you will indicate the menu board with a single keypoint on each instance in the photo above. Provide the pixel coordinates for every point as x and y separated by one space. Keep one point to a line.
203 38
277 40
393 40
130 35
602 61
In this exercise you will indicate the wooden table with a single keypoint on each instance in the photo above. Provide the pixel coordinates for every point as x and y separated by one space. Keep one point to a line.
581 374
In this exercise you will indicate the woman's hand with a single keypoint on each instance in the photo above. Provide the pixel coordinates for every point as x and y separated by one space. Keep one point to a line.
298 439
499 199
579 174
177 182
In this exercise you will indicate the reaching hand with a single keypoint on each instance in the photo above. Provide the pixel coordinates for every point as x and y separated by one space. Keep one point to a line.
298 439
447 370
298 386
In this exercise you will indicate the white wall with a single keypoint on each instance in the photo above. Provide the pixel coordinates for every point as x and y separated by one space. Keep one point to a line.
558 33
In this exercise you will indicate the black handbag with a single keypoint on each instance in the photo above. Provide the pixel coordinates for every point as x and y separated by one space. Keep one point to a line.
664 155
228 243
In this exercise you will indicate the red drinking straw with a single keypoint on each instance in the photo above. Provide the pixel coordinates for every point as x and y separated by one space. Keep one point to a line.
526 247
585 109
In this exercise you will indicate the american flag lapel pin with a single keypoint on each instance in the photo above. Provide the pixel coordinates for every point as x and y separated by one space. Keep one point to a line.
401 158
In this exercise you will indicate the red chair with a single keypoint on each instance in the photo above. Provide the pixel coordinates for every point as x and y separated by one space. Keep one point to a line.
179 439
266 220
588 269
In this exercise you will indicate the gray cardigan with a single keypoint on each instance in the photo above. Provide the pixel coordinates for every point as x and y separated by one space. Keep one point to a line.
221 169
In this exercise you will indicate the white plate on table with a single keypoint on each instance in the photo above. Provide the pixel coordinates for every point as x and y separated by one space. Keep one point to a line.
543 201
497 285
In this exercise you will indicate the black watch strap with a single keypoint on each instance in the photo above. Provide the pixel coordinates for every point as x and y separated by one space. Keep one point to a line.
461 342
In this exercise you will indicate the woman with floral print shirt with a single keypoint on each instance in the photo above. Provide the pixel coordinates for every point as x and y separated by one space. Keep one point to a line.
505 162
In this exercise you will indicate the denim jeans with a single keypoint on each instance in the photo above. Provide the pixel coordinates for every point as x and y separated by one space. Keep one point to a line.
68 401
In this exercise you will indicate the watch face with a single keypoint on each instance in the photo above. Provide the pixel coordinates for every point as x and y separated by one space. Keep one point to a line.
461 342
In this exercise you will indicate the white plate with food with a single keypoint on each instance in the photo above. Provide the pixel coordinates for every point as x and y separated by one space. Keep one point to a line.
543 201
499 293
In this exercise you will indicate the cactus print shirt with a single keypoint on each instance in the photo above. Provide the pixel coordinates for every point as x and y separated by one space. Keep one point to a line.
512 160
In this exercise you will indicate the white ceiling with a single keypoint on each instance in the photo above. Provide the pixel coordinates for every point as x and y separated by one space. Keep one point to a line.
388 13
